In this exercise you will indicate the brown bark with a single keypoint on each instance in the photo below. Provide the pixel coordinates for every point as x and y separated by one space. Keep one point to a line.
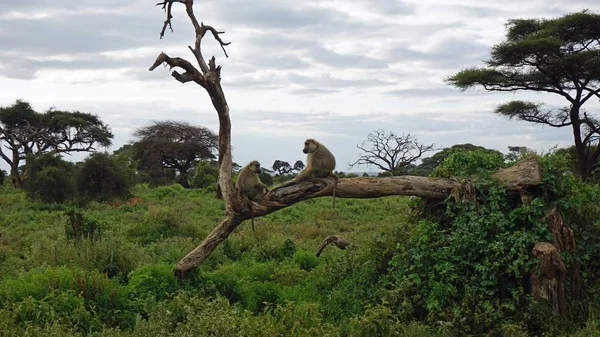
549 282
564 241
208 76
338 241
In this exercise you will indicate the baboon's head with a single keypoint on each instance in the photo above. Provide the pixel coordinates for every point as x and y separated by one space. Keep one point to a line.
310 146
254 166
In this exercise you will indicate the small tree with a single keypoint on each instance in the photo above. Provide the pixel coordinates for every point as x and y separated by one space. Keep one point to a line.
51 179
174 145
298 165
517 153
557 56
102 178
207 173
25 132
282 167
390 152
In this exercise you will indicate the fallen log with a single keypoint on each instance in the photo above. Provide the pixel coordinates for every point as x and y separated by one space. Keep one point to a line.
522 175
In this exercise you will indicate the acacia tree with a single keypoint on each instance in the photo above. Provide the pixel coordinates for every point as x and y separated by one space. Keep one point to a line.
25 132
208 76
298 165
174 145
390 152
558 56
282 167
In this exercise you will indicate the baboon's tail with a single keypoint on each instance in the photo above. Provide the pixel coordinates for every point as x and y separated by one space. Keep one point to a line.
334 187
251 215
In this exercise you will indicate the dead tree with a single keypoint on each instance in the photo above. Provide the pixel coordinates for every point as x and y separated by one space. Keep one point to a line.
208 76
391 152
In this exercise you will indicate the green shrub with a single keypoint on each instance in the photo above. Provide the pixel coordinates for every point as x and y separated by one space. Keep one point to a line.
51 293
474 275
101 178
157 281
49 179
306 260
206 175
79 227
255 295
467 163
266 178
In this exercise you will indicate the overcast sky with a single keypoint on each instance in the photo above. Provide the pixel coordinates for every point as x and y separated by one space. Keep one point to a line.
329 70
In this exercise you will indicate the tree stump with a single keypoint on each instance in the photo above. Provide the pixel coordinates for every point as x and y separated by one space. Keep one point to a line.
549 282
564 241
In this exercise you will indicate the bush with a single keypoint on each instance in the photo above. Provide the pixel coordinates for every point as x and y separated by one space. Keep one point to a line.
102 178
78 227
206 175
474 276
86 299
306 260
49 179
266 178
157 281
463 163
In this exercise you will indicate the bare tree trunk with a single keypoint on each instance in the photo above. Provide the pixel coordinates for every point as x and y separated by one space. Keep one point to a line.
14 173
210 243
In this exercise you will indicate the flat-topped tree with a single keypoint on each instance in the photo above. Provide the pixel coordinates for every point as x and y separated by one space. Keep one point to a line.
25 132
208 76
559 56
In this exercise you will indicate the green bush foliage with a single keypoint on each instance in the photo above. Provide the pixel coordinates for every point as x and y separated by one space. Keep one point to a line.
206 176
463 163
106 269
474 275
50 179
102 178
79 227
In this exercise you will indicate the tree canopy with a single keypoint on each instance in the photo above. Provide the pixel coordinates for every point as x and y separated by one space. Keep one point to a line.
175 145
298 165
282 167
25 132
559 56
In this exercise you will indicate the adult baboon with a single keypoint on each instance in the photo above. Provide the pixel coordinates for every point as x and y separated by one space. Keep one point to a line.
249 185
320 163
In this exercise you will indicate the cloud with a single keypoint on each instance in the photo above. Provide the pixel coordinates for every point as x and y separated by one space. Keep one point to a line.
335 70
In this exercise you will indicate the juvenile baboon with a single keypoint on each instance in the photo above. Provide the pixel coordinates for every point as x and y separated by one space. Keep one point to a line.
320 163
250 186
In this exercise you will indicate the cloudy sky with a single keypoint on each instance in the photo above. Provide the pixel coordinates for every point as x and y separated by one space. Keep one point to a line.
330 70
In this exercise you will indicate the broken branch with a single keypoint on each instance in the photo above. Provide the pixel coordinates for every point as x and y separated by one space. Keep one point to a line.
338 241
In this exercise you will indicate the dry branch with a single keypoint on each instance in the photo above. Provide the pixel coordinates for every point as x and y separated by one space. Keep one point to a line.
338 241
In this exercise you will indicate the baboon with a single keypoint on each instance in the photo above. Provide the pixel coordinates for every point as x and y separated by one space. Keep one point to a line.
320 163
250 186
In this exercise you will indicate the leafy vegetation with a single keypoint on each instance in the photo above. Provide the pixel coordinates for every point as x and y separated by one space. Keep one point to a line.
557 56
106 269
